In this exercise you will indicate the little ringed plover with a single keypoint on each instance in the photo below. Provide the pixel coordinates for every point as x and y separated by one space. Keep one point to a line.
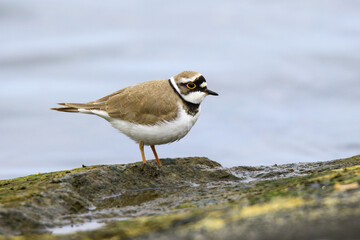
153 112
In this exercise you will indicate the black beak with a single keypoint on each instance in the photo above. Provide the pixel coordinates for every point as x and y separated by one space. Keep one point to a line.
209 92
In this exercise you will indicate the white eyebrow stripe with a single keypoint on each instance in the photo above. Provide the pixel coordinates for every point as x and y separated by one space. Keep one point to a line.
204 84
186 80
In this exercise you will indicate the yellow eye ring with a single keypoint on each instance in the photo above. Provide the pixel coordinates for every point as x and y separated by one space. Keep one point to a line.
191 85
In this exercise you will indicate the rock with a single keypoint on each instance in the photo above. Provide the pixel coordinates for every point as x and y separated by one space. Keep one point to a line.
35 203
190 198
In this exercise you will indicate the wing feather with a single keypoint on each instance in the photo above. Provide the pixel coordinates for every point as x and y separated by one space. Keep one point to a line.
145 103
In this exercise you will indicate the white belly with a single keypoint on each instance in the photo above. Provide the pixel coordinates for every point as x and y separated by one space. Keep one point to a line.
161 133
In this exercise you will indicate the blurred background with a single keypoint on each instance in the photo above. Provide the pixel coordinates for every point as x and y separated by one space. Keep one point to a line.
288 75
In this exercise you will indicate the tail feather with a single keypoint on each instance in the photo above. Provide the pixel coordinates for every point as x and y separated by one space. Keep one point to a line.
65 109
74 107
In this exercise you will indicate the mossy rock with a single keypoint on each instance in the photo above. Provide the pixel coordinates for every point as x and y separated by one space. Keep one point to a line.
187 199
36 202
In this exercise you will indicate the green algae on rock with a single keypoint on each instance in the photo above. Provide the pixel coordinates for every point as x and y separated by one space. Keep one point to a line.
190 198
37 202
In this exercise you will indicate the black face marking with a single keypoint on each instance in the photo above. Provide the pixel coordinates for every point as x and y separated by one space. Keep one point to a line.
197 82
191 108
200 80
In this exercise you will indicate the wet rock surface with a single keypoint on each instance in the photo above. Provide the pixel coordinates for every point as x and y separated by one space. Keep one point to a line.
187 198
36 203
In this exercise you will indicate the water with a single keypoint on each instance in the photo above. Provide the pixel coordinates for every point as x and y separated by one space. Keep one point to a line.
288 75
77 228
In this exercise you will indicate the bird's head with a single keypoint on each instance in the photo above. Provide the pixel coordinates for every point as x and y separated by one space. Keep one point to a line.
191 86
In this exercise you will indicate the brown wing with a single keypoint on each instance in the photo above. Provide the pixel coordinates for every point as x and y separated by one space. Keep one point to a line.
145 103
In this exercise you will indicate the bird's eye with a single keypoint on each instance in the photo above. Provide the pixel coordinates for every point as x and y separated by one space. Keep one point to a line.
191 85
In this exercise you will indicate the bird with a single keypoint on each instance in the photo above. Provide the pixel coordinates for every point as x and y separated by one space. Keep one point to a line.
153 112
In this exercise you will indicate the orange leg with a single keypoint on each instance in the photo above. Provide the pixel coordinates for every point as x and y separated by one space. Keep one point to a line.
141 146
155 154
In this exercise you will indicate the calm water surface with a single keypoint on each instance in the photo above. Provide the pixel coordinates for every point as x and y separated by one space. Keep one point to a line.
288 75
